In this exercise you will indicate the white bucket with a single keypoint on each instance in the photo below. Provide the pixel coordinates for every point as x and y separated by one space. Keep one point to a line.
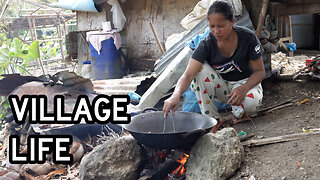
106 26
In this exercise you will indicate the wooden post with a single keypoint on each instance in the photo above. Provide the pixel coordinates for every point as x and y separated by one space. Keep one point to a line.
65 30
87 43
280 25
25 36
262 17
290 33
34 28
60 36
31 28
156 36
289 27
286 35
34 37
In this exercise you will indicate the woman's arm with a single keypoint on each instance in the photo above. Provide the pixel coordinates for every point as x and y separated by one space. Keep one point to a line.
238 94
182 85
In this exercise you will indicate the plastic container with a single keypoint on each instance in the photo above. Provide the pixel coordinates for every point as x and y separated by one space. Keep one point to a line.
242 133
134 98
86 70
107 64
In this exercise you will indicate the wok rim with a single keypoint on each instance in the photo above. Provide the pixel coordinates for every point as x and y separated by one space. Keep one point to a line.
208 118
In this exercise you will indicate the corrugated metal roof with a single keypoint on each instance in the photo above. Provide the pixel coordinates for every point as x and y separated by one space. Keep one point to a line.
118 86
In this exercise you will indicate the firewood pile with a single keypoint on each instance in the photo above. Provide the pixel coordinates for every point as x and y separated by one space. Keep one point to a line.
314 65
297 69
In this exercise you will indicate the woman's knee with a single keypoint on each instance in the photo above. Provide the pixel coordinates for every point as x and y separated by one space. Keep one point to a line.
252 102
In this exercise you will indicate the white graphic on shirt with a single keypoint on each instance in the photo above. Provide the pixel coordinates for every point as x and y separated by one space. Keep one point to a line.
257 49
226 68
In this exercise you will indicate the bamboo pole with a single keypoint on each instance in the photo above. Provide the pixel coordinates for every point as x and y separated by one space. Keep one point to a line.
31 28
60 36
278 139
34 28
157 38
49 15
5 7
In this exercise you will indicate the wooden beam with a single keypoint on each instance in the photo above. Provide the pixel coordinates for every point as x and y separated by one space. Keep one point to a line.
31 29
48 9
282 9
299 1
156 36
36 3
72 15
262 17
34 28
49 15
278 139
60 36
47 40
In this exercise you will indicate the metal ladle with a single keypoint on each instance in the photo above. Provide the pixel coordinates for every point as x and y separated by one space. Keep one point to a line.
164 123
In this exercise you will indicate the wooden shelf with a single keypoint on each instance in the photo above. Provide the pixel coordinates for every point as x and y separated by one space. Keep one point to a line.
284 9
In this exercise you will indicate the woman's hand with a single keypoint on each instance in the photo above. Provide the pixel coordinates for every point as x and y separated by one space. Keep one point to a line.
182 85
171 103
237 96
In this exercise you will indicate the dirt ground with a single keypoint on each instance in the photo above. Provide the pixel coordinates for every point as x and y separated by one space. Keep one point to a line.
298 159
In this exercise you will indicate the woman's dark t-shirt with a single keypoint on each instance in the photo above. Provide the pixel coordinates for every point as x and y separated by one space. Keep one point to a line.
237 66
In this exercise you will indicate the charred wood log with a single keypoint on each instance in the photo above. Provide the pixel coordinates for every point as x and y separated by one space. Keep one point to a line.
167 168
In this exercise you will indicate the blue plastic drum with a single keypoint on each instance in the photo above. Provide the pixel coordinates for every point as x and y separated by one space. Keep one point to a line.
108 64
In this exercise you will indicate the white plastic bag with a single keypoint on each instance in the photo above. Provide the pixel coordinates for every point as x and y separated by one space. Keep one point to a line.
200 12
173 39
118 17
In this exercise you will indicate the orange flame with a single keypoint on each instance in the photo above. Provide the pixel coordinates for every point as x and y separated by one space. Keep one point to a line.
181 168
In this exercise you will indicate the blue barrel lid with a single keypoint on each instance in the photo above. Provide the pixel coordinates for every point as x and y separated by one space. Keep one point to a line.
86 62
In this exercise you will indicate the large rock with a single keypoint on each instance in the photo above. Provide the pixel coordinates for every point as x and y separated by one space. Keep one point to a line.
118 159
215 156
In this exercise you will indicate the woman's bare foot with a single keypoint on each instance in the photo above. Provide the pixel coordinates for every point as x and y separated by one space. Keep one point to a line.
245 117
217 126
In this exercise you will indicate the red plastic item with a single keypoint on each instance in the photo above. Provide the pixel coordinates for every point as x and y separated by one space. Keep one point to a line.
308 62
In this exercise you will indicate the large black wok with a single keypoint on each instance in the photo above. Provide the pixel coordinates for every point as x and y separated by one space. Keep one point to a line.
174 132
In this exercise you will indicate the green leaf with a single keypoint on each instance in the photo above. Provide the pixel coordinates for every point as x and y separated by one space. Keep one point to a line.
33 50
4 65
4 54
16 47
25 51
31 53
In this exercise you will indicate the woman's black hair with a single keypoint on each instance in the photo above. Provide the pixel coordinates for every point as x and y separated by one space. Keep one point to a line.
222 7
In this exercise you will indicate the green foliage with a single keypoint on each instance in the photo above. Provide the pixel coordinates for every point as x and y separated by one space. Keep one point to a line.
16 55
49 49
4 106
32 52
